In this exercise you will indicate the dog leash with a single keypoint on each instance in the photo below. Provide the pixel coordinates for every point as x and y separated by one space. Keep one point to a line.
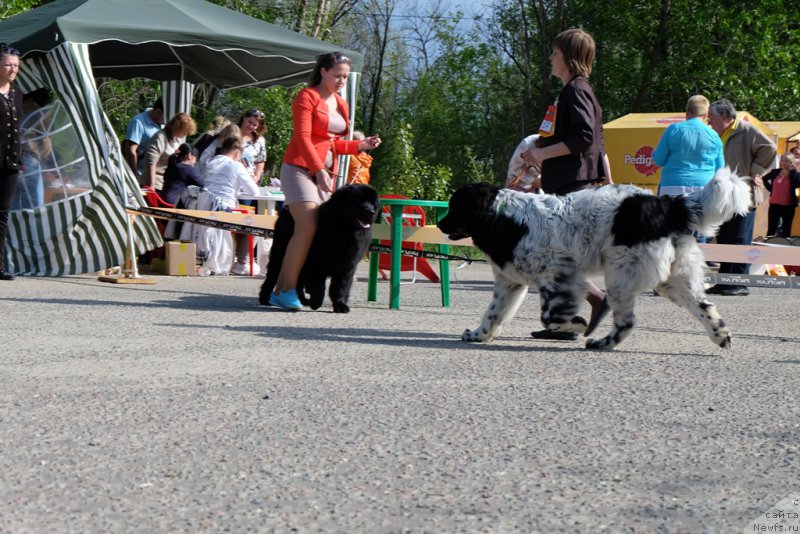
220 225
518 177
262 232
428 255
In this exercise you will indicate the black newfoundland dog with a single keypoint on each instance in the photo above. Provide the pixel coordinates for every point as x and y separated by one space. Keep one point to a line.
343 236
636 240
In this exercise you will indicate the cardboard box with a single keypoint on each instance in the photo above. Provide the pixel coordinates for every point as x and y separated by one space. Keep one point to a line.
180 258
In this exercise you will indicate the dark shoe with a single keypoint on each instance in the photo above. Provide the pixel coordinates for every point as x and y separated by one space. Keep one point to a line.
715 290
5 275
559 336
599 316
735 291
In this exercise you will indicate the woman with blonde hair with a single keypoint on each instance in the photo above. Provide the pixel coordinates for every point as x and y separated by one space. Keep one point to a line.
211 133
229 131
162 145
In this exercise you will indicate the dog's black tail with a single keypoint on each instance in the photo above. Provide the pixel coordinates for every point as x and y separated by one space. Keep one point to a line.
723 197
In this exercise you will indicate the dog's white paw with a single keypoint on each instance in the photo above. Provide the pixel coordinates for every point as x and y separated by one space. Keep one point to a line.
472 336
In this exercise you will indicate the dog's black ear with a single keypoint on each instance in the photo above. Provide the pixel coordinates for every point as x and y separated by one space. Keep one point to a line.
377 211
476 199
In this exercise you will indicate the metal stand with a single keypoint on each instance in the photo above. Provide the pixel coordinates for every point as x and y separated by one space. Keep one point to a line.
130 272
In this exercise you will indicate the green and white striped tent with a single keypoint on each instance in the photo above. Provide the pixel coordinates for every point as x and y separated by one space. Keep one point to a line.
66 43
86 232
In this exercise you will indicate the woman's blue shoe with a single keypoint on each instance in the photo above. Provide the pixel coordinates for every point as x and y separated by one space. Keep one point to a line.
286 299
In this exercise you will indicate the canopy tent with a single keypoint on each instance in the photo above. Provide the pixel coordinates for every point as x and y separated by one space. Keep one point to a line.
190 40
67 43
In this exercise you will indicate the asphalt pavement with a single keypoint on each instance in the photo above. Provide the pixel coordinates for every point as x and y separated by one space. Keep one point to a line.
183 406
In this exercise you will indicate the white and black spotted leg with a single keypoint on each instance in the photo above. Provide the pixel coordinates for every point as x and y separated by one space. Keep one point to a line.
627 273
685 288
559 304
507 298
717 330
624 321
700 307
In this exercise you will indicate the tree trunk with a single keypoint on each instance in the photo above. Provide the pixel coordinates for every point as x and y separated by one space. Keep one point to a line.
300 12
382 35
319 18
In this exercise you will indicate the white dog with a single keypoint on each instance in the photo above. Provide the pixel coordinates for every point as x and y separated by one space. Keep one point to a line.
637 240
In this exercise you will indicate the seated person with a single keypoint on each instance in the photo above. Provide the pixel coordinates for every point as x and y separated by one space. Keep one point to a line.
231 131
211 133
180 173
161 146
225 176
36 154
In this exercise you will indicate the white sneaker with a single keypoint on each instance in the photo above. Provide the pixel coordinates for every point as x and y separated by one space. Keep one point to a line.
238 268
244 269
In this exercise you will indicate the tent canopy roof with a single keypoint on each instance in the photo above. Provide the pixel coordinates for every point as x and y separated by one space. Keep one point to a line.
191 40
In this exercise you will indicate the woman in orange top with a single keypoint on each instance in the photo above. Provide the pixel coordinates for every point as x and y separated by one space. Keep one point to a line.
358 171
320 118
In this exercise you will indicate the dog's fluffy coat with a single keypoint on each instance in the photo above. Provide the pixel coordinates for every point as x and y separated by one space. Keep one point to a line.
342 238
637 240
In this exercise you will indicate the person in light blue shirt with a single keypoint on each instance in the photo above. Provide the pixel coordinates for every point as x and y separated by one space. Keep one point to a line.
689 152
140 129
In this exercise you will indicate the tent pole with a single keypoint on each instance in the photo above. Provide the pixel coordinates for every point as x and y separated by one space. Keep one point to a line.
350 97
130 270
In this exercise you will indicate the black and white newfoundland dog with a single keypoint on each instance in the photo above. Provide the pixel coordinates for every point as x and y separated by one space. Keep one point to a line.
343 235
637 240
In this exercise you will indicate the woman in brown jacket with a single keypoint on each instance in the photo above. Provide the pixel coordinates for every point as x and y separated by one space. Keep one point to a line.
570 147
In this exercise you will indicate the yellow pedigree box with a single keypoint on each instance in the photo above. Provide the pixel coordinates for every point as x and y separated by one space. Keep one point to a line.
180 258
631 139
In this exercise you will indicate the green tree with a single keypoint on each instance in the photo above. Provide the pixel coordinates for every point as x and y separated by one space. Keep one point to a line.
457 105
654 54
452 101
403 173
9 8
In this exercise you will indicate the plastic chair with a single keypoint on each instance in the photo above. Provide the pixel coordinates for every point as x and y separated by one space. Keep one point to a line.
412 216
154 200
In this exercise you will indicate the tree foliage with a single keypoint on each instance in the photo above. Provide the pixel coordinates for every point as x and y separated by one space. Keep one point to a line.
9 8
452 97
